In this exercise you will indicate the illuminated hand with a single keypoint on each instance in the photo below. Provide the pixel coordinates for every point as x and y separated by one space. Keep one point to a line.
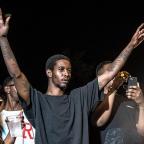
138 37
135 93
4 24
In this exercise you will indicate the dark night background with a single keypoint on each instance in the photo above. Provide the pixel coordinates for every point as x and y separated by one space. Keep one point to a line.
87 32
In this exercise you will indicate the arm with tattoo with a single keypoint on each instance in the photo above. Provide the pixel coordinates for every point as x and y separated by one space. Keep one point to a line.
119 62
21 82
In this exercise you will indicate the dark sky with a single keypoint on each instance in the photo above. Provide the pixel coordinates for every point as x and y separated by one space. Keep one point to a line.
86 32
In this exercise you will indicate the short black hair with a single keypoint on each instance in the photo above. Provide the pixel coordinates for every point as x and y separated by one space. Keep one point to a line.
52 60
100 66
5 83
7 80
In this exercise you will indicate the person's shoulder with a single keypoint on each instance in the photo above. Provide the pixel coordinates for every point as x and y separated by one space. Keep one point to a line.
33 90
75 90
95 81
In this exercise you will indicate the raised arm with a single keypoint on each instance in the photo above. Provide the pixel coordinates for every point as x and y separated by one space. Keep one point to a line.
119 62
21 81
103 112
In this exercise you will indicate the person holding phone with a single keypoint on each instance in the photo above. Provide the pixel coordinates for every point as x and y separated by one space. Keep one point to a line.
121 120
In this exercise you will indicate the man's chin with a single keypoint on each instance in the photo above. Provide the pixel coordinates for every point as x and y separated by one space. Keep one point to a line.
63 86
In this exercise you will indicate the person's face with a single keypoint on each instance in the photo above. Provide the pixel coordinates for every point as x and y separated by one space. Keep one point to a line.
61 73
11 89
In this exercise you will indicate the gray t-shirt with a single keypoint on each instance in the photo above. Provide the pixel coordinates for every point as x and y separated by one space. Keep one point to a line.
121 128
63 119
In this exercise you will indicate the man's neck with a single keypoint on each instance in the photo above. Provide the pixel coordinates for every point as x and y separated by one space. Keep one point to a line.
54 91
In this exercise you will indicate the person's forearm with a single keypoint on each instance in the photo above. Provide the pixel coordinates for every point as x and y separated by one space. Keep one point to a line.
104 110
140 123
119 62
137 38
9 58
115 66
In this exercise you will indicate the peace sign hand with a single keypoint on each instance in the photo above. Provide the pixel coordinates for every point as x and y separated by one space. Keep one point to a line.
4 25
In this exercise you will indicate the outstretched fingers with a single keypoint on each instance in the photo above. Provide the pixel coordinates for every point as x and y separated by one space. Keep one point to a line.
1 18
141 37
141 27
0 12
7 20
7 16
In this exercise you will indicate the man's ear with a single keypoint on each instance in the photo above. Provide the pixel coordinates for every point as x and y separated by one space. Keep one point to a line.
49 73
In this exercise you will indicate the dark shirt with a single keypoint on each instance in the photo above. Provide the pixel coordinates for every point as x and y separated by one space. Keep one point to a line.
121 128
63 119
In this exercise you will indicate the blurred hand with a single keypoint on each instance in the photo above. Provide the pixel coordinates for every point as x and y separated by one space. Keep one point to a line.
138 37
135 93
4 25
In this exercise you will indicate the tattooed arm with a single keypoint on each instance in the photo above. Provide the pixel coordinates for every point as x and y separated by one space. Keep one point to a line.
118 63
21 81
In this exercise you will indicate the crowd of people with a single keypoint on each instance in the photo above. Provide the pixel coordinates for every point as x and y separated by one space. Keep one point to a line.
11 107
57 117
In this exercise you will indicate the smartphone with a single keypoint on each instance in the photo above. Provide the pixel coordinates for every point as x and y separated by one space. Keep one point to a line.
132 81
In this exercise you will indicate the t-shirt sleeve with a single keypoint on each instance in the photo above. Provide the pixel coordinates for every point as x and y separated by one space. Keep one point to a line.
30 108
91 95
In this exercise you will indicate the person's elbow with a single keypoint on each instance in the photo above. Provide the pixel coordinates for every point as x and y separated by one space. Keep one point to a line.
140 130
100 122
